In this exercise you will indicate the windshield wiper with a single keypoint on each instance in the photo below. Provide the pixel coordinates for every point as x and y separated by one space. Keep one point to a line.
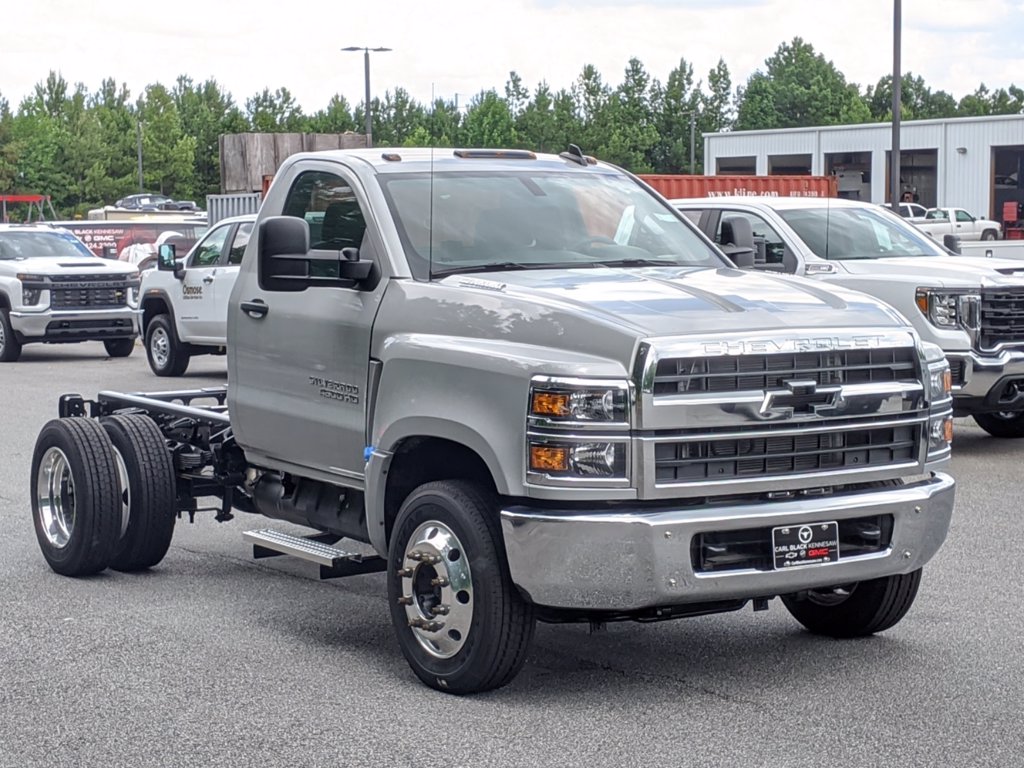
636 263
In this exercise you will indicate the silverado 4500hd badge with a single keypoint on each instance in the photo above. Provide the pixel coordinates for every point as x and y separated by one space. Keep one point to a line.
335 390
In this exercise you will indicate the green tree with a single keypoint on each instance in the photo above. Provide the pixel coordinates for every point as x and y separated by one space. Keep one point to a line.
396 118
674 105
336 118
799 87
488 122
168 154
275 112
206 111
917 100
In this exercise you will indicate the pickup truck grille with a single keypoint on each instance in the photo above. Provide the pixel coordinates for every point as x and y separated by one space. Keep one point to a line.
1002 317
87 292
785 451
751 421
751 372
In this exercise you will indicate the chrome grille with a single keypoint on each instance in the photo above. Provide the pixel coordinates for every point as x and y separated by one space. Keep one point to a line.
789 451
737 373
1002 317
87 292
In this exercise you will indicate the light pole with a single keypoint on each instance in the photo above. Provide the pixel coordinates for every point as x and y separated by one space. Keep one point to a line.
366 61
897 99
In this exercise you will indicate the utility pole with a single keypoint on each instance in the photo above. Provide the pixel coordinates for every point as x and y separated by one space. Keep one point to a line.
897 101
139 143
366 69
693 125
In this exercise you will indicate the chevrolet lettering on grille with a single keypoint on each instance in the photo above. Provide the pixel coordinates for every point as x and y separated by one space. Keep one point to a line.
806 344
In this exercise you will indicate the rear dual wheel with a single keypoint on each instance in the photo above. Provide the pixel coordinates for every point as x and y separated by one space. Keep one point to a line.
857 609
102 494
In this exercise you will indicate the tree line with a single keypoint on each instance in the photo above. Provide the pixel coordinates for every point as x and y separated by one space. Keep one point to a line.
79 146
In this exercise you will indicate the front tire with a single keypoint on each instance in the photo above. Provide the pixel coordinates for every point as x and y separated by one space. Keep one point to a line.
119 347
988 234
855 610
166 354
461 624
76 508
1009 424
148 492
10 349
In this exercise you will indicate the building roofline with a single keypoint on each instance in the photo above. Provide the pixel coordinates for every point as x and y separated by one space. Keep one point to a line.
888 125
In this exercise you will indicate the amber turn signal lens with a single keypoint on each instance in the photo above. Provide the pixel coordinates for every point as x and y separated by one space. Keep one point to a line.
947 381
922 302
947 430
550 404
545 458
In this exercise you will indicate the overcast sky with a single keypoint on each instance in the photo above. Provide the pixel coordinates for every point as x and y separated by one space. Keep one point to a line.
449 47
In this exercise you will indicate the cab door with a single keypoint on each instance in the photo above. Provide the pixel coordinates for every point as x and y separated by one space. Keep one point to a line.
226 275
198 314
298 367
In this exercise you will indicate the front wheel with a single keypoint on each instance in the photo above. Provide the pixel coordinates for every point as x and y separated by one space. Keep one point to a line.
461 624
167 356
988 234
10 349
119 347
858 609
1004 424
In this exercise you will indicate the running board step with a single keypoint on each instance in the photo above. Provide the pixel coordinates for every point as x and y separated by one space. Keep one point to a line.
334 563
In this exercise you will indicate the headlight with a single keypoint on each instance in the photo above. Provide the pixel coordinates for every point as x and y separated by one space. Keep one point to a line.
578 431
555 401
32 287
949 309
940 434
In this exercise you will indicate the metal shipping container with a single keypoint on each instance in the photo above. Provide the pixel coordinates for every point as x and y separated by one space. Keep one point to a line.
674 186
224 206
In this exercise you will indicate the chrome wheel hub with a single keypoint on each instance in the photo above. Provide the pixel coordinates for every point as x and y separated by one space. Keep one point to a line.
831 596
126 492
160 347
437 589
55 497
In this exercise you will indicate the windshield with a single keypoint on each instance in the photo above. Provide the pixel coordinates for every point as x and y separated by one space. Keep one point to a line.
42 245
501 220
858 233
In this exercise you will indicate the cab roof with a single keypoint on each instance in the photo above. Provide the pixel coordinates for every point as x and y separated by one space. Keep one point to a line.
420 159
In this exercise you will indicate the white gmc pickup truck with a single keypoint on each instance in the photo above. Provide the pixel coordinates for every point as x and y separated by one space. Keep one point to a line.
939 222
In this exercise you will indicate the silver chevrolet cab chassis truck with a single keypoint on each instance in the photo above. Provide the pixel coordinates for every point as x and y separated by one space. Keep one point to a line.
528 389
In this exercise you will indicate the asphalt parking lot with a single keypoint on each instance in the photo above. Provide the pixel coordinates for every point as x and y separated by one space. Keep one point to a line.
215 659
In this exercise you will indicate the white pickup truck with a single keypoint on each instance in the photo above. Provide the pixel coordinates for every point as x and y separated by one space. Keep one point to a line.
939 222
184 310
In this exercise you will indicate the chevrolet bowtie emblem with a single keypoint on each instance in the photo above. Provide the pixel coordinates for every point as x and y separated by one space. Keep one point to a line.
799 397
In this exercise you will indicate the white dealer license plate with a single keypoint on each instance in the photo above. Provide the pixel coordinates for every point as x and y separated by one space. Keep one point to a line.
811 544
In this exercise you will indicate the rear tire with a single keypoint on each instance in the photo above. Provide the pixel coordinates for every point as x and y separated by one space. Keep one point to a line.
10 348
868 607
461 623
166 354
1000 424
76 509
119 347
148 492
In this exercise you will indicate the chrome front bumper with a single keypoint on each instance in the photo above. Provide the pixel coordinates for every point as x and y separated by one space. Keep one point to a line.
634 558
985 377
76 324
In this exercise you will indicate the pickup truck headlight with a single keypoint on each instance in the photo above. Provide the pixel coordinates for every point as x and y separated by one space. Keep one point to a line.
949 309
939 384
578 431
32 287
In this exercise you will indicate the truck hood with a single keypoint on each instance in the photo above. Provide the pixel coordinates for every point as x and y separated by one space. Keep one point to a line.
942 270
665 301
82 266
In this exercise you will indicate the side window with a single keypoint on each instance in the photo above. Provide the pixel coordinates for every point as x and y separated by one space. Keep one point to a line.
329 206
208 252
693 216
964 216
242 235
769 247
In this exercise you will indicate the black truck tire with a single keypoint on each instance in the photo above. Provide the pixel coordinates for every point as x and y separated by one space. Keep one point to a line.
461 623
989 234
1001 424
76 508
10 348
166 354
869 607
119 347
147 492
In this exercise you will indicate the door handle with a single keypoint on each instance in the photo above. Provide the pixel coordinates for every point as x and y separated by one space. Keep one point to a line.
255 308
208 279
